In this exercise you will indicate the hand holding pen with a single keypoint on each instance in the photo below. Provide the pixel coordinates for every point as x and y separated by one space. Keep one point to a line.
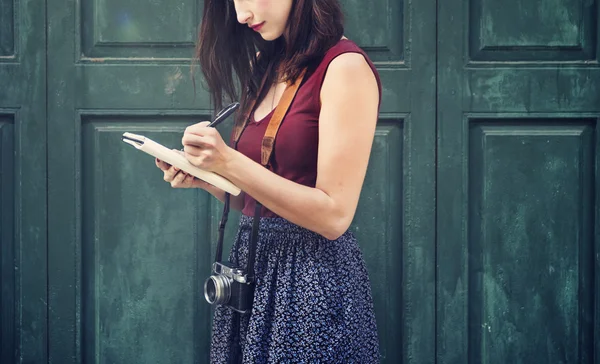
203 145
222 115
179 179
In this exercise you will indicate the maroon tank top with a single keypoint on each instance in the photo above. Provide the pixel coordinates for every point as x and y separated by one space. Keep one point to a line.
294 155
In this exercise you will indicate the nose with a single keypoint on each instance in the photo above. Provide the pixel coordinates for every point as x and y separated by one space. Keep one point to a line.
243 15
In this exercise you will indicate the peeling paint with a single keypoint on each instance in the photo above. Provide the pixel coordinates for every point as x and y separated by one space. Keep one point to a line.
172 81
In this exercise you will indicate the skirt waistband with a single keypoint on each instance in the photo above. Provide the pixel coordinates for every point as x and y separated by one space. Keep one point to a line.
279 224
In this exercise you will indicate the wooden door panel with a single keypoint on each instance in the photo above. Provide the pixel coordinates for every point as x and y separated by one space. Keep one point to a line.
518 112
126 30
379 27
10 301
142 257
517 30
378 227
153 88
127 67
23 297
531 240
396 211
129 254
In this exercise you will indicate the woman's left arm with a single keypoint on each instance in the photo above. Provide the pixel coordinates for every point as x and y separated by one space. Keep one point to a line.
349 99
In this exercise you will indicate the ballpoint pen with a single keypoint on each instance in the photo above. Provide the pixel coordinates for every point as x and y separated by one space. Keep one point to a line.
224 114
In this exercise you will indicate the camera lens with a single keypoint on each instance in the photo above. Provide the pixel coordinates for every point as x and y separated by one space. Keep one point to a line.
211 294
217 290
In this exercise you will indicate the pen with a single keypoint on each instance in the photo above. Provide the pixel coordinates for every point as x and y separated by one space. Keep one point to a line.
224 114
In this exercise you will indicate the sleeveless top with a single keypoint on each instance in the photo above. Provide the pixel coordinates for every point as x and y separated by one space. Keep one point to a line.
294 155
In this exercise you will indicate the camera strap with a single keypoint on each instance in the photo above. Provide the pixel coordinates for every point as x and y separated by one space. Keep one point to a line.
268 142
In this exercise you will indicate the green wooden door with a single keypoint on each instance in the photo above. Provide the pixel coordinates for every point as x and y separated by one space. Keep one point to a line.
128 255
23 321
396 215
478 219
517 114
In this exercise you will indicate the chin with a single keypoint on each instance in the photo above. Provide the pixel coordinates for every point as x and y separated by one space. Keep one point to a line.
268 37
271 36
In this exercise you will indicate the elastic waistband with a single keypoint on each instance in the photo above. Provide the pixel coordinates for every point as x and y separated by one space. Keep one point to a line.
279 224
272 223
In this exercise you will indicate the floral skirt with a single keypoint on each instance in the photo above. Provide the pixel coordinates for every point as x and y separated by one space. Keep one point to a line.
312 301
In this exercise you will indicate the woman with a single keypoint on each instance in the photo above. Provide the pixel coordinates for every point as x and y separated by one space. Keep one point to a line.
312 301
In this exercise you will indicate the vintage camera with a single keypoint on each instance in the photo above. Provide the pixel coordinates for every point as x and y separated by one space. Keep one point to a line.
229 286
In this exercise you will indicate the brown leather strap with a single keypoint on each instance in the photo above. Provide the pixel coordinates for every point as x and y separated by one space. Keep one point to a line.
268 141
284 104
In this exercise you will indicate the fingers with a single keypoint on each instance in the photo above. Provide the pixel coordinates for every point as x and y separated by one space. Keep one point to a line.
170 173
202 142
198 154
176 177
179 180
200 129
162 165
187 181
193 150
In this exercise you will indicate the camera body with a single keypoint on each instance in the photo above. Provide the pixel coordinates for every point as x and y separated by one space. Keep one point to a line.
229 286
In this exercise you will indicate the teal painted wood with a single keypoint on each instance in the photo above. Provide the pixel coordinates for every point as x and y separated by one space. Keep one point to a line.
494 206
396 211
7 29
112 84
23 315
517 249
511 248
9 300
128 255
142 249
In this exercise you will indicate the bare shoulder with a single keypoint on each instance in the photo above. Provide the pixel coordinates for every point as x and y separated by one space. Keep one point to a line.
349 64
349 71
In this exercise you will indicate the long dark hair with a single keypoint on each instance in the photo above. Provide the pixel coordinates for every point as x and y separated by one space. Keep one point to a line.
227 50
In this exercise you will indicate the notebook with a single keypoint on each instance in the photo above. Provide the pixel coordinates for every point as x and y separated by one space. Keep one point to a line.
174 158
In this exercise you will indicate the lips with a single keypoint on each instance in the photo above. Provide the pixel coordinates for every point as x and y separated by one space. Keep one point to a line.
257 27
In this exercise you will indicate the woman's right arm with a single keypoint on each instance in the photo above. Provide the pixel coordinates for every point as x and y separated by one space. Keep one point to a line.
179 179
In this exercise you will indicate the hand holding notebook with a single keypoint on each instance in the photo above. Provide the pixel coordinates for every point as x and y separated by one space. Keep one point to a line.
175 158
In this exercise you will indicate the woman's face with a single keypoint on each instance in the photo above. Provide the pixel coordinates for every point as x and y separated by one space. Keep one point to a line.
267 17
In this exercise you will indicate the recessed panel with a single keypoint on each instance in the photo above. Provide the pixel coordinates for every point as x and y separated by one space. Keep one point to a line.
378 26
144 252
9 299
124 29
531 241
522 30
378 226
7 29
529 90
157 86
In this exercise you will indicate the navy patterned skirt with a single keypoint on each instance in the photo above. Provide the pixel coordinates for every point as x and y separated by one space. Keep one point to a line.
312 302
